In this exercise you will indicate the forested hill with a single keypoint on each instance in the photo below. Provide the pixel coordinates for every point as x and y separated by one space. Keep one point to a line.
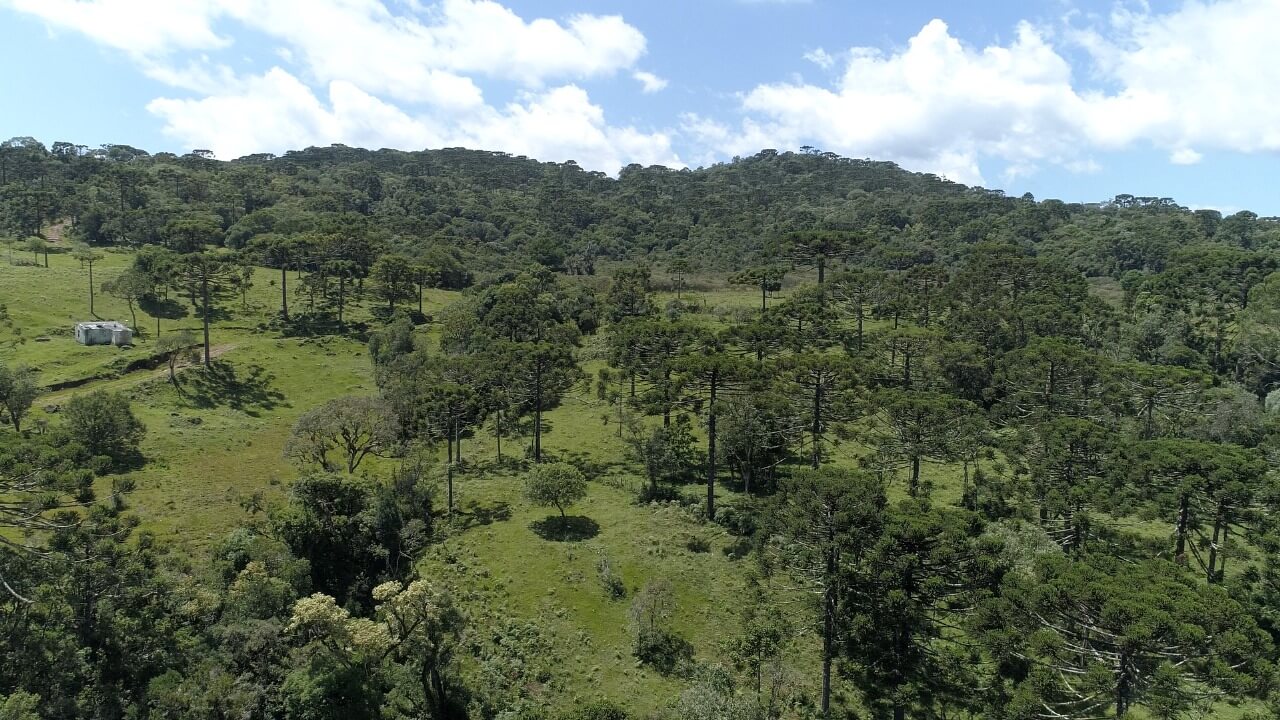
491 210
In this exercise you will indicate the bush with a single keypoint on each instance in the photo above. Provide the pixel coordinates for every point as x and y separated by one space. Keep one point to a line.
105 425
612 582
737 521
697 544
656 644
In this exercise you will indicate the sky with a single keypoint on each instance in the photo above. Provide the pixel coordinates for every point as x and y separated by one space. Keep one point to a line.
1072 99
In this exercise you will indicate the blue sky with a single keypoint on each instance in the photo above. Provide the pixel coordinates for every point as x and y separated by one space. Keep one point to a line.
1078 100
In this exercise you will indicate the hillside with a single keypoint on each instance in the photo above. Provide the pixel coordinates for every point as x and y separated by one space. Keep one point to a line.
480 437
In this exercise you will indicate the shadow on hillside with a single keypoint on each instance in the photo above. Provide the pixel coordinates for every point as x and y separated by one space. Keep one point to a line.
476 514
568 529
308 324
246 390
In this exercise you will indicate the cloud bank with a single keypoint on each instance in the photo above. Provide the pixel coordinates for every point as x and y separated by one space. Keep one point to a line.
409 74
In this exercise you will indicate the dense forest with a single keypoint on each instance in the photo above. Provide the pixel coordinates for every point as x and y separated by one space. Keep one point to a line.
972 456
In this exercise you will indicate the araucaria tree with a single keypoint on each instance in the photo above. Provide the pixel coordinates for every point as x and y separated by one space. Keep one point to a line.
825 521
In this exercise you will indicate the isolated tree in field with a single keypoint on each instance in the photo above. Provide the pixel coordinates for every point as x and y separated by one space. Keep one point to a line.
767 278
207 279
39 246
131 286
393 279
279 251
352 427
18 391
656 643
706 376
87 257
175 347
678 268
160 268
826 520
104 423
557 485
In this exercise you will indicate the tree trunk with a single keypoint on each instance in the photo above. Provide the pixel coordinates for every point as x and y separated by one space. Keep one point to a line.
914 488
342 298
816 430
204 298
449 482
711 451
1212 575
91 312
537 412
497 433
284 291
1180 553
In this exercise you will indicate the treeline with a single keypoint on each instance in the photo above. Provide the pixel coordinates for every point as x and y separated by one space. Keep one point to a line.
491 211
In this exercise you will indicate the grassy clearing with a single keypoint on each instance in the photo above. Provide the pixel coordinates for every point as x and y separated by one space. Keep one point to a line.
211 445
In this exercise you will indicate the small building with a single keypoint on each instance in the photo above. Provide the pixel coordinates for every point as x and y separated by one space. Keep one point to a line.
104 332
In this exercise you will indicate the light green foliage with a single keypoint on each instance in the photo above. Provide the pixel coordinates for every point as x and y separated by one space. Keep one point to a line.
557 485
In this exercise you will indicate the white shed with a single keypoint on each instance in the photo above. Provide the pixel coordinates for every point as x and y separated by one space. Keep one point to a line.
107 332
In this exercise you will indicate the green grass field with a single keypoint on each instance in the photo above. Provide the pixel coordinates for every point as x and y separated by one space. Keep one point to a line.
215 444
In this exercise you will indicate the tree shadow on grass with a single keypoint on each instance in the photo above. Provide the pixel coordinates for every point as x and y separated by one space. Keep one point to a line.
569 529
476 514
221 383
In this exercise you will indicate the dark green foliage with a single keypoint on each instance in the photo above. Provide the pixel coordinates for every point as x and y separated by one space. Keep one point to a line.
103 424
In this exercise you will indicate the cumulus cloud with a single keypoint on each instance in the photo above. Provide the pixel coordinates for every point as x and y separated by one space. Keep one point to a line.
139 27
649 82
363 73
276 111
1185 81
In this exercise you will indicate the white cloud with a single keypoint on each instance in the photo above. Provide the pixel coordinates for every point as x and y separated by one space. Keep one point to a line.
417 55
1192 78
276 111
401 78
935 105
649 82
138 27
821 58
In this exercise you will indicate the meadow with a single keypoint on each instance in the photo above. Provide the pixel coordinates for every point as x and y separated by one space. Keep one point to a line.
214 445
